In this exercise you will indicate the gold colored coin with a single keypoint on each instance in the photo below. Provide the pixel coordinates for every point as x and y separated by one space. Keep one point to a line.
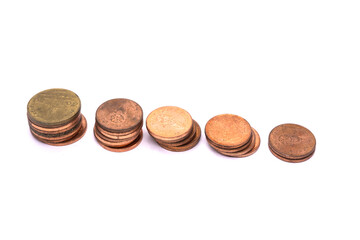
53 107
169 123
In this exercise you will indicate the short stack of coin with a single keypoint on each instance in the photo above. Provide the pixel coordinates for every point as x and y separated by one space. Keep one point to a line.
173 128
232 136
292 143
118 125
54 117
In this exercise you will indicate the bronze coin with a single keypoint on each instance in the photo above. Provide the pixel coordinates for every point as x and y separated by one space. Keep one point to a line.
228 130
119 115
292 141
58 137
129 147
169 123
53 107
231 149
291 160
187 146
74 139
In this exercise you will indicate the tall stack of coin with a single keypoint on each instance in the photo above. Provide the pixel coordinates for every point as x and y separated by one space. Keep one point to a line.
173 128
292 143
232 136
54 117
118 125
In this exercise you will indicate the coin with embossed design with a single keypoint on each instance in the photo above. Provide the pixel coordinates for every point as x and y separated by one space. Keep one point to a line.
292 142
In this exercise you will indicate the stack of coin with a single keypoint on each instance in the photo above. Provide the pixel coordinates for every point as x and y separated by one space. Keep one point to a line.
292 143
54 117
173 128
232 136
118 125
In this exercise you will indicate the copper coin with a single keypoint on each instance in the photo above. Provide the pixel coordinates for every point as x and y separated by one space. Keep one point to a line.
118 136
183 141
228 130
169 123
119 115
187 146
114 143
53 107
231 149
74 139
247 152
59 137
57 130
292 141
129 147
291 160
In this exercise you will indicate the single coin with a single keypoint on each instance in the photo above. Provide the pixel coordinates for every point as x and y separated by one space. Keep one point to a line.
291 160
187 146
74 139
169 123
119 115
228 130
125 148
292 141
53 107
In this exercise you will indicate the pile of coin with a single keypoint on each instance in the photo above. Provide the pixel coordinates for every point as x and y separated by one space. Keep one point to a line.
232 136
118 125
173 128
292 143
54 117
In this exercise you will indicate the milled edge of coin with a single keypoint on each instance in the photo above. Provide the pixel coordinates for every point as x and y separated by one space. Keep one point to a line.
292 160
119 130
125 148
215 141
76 138
285 155
187 146
54 124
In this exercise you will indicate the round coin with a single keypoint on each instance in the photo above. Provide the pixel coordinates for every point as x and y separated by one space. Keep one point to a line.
292 141
53 107
119 115
228 130
169 123
129 147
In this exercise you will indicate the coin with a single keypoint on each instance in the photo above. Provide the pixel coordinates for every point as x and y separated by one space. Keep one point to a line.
187 146
129 147
228 130
79 134
53 107
119 115
118 125
54 117
169 123
292 142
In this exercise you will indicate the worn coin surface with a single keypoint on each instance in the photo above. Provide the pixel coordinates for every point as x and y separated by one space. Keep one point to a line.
228 130
169 123
53 107
119 115
292 141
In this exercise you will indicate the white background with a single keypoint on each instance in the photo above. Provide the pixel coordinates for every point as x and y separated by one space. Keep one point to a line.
271 62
